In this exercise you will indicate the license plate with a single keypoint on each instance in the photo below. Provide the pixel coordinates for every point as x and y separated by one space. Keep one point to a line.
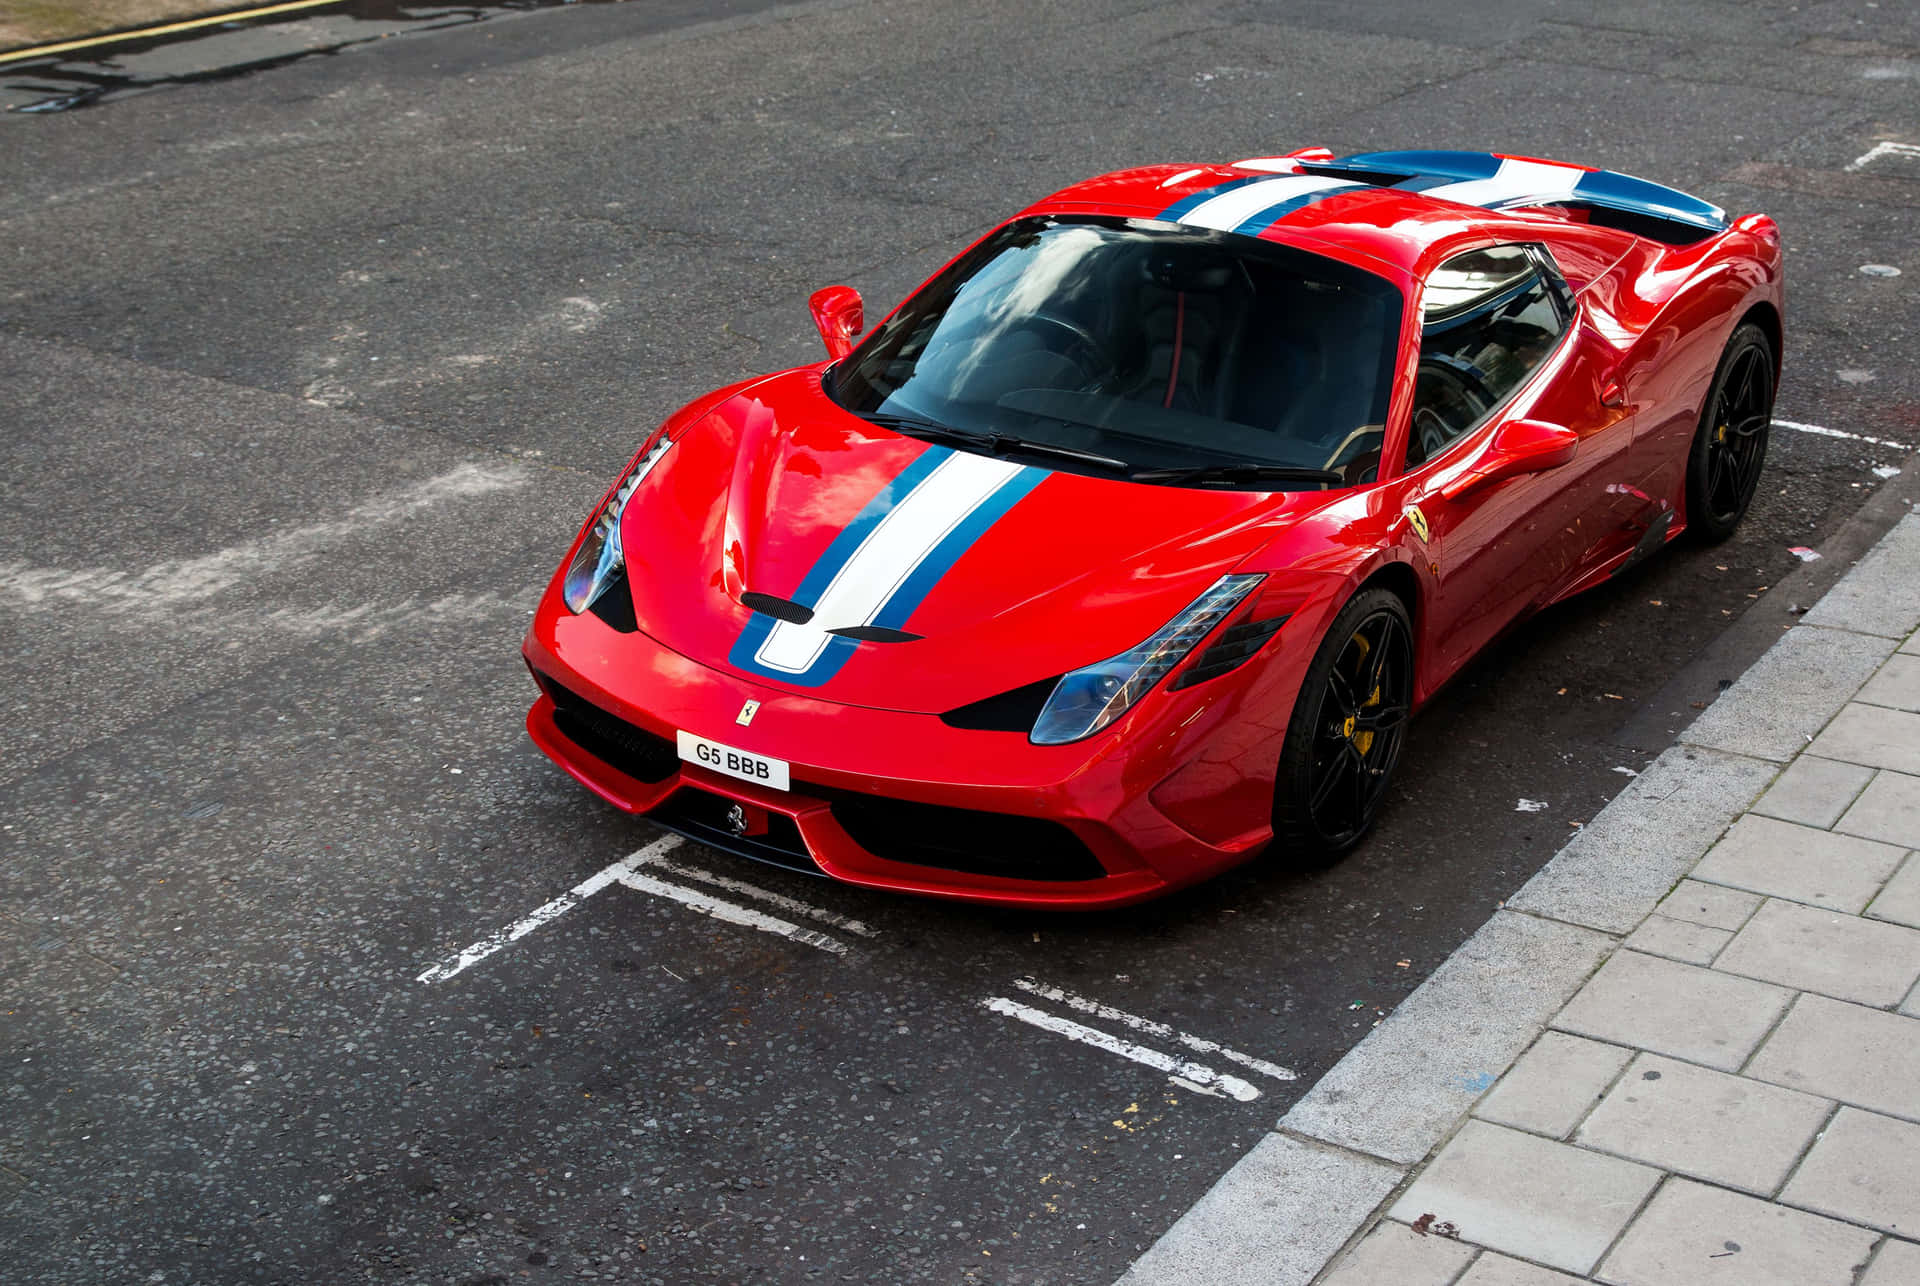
733 761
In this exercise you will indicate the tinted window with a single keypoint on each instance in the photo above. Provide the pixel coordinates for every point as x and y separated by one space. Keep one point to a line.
1487 319
1161 347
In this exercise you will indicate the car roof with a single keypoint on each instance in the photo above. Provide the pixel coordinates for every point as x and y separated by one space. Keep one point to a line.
1401 210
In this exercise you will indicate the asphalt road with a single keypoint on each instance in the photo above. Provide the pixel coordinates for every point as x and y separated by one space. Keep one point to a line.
308 377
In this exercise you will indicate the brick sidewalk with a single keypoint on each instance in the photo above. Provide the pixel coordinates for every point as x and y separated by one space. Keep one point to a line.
1733 1097
1686 1053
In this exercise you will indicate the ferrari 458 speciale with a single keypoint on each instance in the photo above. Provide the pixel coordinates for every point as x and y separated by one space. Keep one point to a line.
1122 550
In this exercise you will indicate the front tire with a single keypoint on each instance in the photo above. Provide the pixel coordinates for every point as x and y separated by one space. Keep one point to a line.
1347 730
1730 446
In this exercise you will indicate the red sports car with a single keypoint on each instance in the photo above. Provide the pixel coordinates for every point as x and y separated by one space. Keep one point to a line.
1122 550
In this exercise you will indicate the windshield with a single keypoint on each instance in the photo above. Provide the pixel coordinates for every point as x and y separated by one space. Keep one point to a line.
1178 351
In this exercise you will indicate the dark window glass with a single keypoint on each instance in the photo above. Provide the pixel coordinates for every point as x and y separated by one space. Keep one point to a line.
1487 319
1155 346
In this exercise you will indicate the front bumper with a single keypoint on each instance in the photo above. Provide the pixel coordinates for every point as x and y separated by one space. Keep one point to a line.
871 787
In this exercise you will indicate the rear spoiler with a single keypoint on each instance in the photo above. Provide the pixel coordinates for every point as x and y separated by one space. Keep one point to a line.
1497 182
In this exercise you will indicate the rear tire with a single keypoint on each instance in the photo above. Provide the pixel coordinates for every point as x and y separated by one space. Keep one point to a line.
1730 446
1348 726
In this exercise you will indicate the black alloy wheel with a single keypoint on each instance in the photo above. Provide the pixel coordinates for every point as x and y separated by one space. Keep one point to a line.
1347 730
1730 447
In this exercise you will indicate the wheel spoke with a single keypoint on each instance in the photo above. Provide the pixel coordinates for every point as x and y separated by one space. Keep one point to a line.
1377 659
1323 789
1383 718
1342 692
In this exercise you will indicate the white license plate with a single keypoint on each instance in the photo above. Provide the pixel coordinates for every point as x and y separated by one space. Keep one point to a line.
732 761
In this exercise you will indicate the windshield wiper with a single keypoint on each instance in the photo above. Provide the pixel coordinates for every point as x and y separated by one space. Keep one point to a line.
991 443
1243 471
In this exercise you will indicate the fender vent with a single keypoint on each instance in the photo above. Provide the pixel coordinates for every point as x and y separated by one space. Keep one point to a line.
1012 711
780 609
1236 644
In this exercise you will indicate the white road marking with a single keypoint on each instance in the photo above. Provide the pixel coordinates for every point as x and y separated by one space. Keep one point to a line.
1879 150
732 913
1060 995
1822 432
768 896
181 581
1198 1075
553 910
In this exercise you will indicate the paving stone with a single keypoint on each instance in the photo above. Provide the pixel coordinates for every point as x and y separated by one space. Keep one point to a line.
1865 1169
1272 1220
1873 735
1912 646
1541 1200
1631 854
1393 1252
1911 1008
1897 1264
1711 1125
1554 1084
1401 1091
1897 684
1887 810
1784 860
1880 595
1710 904
1678 940
1697 1014
1693 1235
1789 693
1497 1270
1813 791
1900 900
1866 1057
1811 949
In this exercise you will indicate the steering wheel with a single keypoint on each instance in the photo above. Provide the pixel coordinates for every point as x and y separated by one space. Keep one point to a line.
1094 363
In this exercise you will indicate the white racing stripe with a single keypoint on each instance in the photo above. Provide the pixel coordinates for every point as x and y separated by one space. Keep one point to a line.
1819 431
553 910
730 912
1528 181
1201 1077
1161 1030
795 905
1234 207
898 544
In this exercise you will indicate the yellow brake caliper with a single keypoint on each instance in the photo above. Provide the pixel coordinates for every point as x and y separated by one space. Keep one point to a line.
1362 741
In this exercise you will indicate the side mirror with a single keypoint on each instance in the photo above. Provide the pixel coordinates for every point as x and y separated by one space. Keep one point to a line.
1518 446
838 315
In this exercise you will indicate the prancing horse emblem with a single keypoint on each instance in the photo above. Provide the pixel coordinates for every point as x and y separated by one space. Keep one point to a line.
737 820
1417 521
747 712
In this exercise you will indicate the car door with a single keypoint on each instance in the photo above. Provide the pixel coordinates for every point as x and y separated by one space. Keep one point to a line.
1502 340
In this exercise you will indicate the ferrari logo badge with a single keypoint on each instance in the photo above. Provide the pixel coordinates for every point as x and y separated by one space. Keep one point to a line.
747 712
737 820
1417 521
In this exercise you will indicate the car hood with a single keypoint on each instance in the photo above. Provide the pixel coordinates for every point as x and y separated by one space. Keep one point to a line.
961 575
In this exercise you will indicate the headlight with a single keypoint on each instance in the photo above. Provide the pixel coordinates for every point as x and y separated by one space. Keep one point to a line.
1089 699
600 555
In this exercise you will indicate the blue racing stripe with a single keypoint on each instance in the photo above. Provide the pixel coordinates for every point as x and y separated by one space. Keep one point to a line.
1260 222
1187 204
936 564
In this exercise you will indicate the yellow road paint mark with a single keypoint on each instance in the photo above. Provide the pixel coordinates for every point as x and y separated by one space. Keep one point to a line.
165 29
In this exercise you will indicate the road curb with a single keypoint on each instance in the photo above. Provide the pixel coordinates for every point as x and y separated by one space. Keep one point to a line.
1383 1111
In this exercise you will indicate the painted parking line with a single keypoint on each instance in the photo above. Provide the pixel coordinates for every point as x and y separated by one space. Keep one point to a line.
1148 1026
628 874
1879 150
731 912
794 905
1193 1075
546 914
1822 431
